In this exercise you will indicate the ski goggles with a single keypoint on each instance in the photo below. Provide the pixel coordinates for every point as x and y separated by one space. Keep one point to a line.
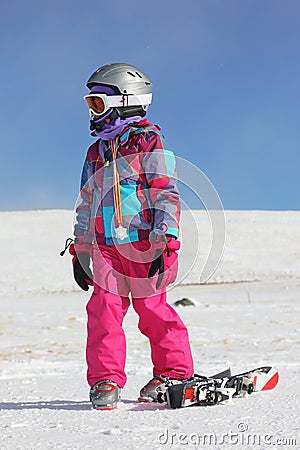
99 104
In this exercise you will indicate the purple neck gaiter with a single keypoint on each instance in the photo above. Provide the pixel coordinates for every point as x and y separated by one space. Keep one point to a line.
115 127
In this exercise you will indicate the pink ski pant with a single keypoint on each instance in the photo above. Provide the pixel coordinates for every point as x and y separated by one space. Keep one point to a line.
118 271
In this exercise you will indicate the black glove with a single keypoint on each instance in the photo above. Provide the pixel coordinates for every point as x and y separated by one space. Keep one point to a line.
81 262
81 270
158 264
165 263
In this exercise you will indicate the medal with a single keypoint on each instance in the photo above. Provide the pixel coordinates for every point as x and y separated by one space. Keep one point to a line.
121 232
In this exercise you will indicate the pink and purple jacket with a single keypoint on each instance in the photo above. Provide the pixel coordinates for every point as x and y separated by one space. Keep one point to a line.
147 188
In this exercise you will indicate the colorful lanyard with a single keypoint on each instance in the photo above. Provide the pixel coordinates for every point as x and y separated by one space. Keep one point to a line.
116 187
120 231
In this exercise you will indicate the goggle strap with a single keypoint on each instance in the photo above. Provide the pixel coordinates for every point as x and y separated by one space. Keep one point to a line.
129 100
123 100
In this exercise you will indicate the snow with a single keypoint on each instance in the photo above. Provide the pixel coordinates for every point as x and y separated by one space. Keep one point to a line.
247 315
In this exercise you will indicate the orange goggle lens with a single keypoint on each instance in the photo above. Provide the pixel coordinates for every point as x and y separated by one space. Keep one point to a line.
96 104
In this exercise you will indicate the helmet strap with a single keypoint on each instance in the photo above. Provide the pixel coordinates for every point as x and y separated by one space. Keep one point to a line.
130 111
95 125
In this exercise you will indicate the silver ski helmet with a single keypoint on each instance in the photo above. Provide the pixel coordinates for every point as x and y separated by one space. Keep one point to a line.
126 80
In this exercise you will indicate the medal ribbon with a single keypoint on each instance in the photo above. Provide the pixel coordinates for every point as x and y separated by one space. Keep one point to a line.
116 187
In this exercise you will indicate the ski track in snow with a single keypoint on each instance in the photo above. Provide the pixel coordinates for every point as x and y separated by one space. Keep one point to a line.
44 395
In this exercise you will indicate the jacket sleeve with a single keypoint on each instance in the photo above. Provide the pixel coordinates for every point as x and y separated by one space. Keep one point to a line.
83 209
159 167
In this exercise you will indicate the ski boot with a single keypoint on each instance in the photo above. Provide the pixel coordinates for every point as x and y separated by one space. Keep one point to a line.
105 394
156 387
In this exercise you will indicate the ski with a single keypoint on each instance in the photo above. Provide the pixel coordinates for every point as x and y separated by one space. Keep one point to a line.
205 391
256 380
202 392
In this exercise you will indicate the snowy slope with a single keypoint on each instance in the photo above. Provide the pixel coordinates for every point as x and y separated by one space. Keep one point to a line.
246 317
259 245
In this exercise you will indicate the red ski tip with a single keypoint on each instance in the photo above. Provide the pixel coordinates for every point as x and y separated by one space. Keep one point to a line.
271 383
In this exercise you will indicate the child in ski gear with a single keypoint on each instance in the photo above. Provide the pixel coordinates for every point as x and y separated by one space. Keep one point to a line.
128 224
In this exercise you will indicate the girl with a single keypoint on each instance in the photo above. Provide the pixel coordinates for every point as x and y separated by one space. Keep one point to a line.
128 223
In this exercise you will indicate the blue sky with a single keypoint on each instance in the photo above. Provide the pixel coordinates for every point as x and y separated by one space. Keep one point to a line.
226 92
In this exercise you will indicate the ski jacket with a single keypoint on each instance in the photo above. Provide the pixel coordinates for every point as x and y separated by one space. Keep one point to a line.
129 181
